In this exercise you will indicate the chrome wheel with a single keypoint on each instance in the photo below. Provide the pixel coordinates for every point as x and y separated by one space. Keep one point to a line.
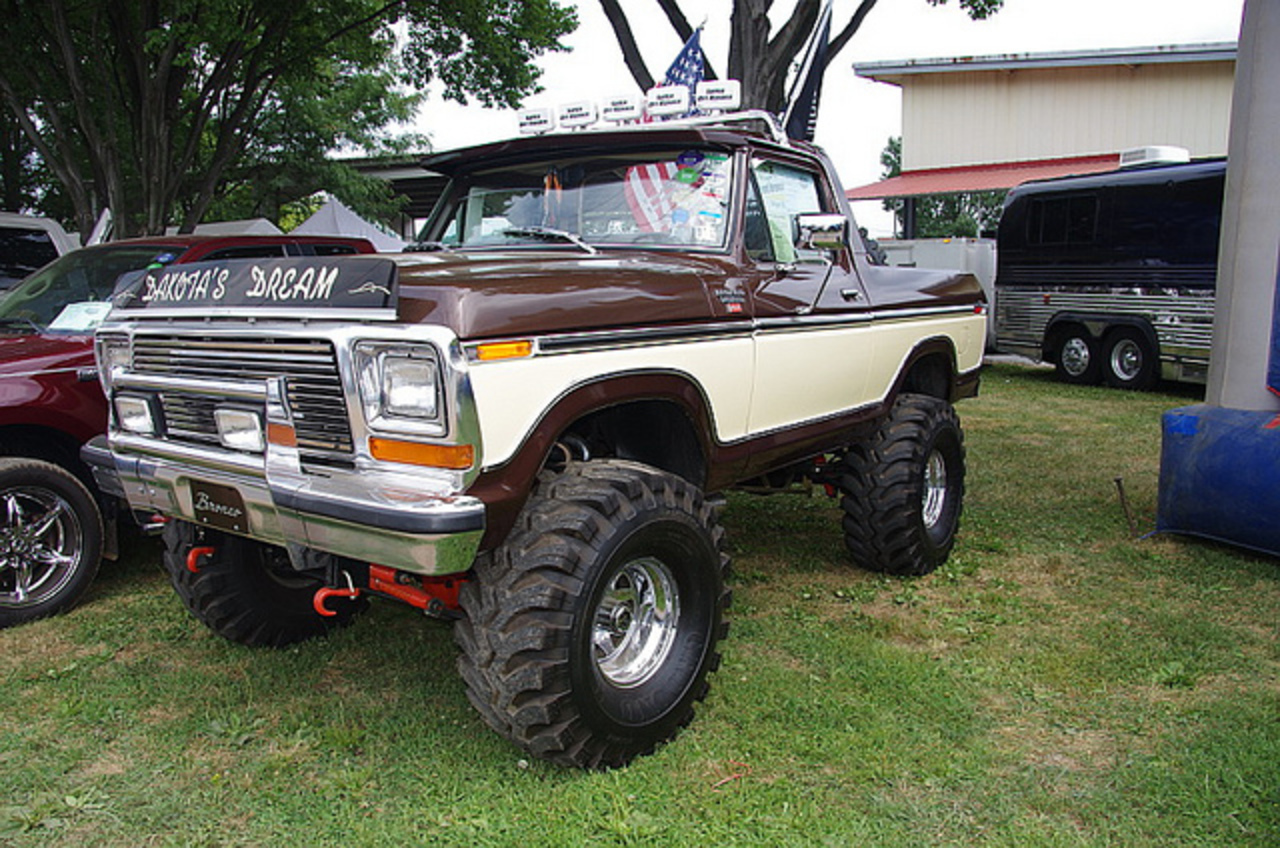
935 489
1075 356
635 623
42 545
1126 359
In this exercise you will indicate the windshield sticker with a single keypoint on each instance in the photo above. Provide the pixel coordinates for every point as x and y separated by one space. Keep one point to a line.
80 317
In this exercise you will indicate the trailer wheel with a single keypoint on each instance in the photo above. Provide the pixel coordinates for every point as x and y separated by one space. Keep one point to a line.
1130 361
1075 356
590 632
246 591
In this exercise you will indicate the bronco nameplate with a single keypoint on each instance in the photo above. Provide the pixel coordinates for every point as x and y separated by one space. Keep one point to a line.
301 283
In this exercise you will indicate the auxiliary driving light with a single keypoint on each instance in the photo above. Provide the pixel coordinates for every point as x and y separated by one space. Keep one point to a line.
240 429
134 414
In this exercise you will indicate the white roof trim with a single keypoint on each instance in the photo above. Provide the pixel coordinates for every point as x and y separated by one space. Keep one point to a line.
1222 51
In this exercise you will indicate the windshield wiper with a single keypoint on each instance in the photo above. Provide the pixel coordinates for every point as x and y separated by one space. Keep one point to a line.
548 233
425 247
23 323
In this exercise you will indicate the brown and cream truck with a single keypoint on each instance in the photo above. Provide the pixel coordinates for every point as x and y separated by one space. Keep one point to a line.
525 424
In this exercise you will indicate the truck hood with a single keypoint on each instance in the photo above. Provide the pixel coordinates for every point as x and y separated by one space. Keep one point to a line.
485 294
28 353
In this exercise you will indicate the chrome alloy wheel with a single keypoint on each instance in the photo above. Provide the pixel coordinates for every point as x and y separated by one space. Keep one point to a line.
41 545
935 489
1126 359
635 623
1075 356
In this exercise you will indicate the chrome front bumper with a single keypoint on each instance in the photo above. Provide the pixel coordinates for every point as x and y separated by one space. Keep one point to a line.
384 517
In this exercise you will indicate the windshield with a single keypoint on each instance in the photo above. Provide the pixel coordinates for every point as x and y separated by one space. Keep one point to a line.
676 198
79 277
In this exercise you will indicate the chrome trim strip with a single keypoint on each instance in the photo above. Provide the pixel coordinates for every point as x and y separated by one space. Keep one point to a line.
223 388
637 337
47 372
222 461
551 345
256 312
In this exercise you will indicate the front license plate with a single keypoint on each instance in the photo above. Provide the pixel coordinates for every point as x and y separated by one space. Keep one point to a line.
218 506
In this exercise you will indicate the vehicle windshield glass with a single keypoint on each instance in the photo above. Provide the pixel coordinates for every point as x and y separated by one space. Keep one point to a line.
79 277
676 198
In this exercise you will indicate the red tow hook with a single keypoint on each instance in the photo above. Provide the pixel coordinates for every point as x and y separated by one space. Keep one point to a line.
328 592
193 557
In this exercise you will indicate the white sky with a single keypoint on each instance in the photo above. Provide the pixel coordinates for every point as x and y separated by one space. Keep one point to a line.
857 116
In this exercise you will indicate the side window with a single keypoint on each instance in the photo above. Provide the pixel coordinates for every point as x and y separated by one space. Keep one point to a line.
1063 220
784 193
755 231
247 251
332 249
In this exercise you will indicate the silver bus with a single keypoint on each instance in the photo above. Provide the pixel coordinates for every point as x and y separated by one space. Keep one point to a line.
1110 277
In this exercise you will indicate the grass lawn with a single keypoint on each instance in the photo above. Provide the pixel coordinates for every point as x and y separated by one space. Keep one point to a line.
1056 683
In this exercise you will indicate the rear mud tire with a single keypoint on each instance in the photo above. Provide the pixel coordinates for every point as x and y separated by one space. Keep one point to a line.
590 633
246 591
50 540
903 489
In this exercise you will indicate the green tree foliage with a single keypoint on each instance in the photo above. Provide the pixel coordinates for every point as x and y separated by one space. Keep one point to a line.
962 214
759 57
159 108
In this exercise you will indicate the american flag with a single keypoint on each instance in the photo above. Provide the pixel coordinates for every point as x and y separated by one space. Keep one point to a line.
687 69
648 193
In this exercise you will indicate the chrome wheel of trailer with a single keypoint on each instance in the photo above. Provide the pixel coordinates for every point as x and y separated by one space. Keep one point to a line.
1076 356
1131 360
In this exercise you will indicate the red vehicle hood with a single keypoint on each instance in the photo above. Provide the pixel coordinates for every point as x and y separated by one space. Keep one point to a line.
24 353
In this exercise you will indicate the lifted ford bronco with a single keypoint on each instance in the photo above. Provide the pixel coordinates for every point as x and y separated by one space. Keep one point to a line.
521 424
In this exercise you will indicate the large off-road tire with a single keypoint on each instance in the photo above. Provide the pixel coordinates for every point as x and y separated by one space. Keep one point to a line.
1130 361
903 488
1076 356
589 634
246 591
50 540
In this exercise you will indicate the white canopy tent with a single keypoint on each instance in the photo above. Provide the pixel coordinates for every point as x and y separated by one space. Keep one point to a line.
336 219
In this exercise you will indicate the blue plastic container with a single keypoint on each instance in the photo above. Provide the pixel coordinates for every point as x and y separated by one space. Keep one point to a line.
1220 476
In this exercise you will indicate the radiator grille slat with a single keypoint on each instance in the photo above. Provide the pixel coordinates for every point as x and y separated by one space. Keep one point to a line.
310 368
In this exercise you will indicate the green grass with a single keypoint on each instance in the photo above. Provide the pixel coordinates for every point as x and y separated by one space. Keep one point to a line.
1056 683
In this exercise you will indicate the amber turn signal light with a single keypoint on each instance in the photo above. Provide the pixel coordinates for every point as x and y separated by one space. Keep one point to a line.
282 435
453 457
491 351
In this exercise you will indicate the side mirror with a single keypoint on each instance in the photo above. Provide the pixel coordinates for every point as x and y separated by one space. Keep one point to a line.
822 231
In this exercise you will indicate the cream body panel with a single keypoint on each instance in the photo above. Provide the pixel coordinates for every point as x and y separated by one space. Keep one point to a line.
799 376
512 395
806 376
895 340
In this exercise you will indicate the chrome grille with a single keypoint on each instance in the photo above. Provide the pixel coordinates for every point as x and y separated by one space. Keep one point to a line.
310 368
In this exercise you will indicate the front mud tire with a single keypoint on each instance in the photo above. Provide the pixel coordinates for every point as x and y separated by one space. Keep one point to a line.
590 633
246 591
903 489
